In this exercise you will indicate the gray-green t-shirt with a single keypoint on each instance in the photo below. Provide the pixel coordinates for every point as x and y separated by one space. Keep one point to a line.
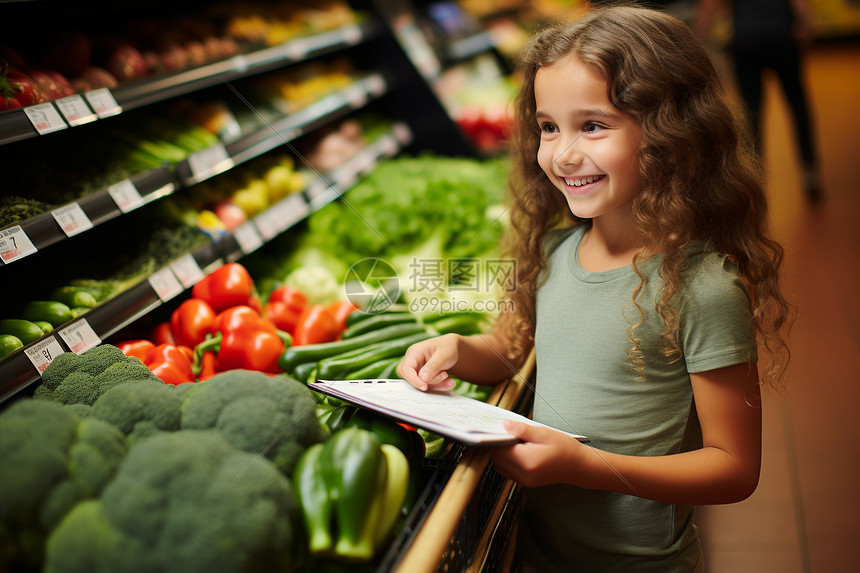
586 385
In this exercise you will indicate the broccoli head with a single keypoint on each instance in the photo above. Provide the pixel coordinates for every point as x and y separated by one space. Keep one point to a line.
81 379
186 502
271 416
52 459
140 409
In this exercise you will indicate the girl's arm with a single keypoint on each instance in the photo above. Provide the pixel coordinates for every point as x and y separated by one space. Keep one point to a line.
725 470
478 359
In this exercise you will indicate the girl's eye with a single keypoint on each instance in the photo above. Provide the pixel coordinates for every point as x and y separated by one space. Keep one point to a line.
548 128
592 127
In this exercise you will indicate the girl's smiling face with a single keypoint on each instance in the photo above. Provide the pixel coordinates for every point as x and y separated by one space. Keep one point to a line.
587 147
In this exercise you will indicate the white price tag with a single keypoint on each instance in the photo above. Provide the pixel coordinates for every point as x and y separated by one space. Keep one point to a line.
103 102
375 85
402 133
72 219
346 179
15 244
80 336
356 96
42 353
267 224
210 161
125 195
75 110
45 118
351 34
165 284
292 209
187 270
296 49
248 237
388 145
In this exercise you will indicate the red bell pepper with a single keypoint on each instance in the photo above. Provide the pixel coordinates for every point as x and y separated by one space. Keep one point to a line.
340 310
138 348
315 325
241 318
284 307
192 321
162 334
229 285
207 368
242 339
171 363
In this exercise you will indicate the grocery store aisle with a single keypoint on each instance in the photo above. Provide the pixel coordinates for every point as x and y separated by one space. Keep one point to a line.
805 515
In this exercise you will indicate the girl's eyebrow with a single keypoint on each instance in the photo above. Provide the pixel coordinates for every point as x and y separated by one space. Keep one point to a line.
584 114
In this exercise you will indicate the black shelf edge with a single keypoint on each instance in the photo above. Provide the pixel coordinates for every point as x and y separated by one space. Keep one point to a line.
44 231
15 125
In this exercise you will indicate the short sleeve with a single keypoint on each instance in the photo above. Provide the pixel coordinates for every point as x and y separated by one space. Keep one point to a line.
716 317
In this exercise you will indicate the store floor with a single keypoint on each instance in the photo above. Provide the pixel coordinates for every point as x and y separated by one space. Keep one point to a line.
805 515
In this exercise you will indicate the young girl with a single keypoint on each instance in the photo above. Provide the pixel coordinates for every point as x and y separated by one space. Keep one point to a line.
646 281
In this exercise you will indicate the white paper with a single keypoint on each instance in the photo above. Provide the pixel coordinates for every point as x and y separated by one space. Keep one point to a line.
446 413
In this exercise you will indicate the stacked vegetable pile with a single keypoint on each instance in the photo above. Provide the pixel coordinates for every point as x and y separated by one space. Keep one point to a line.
109 469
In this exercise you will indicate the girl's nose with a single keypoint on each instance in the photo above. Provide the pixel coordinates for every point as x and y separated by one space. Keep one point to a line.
569 153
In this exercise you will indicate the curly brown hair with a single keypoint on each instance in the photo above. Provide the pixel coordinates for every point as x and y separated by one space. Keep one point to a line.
701 179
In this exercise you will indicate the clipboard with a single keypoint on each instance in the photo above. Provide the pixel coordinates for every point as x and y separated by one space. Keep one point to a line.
457 417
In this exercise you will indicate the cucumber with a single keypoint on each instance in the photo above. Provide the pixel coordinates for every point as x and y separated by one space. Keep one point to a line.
373 370
336 367
75 296
45 326
391 370
295 355
460 324
376 322
24 330
51 311
361 316
303 371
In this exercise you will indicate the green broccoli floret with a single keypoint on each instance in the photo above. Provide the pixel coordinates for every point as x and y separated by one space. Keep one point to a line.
81 379
272 416
52 460
140 409
183 502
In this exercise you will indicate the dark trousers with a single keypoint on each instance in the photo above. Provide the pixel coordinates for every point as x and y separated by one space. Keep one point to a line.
782 56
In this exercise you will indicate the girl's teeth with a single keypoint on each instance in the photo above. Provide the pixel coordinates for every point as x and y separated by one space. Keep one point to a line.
583 181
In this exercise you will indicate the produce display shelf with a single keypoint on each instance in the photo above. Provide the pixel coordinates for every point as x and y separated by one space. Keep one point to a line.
17 371
43 230
475 510
15 124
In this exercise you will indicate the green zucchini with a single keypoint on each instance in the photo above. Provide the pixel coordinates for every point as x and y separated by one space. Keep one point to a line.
295 355
303 371
377 322
44 325
24 330
334 368
460 324
51 311
391 370
9 344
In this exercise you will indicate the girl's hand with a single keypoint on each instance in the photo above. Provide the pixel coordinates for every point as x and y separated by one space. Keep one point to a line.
545 457
425 364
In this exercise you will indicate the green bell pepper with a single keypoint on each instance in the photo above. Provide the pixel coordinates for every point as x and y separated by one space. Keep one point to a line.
350 489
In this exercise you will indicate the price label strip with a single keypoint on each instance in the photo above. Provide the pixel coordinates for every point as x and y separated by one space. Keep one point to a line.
42 353
103 102
248 237
45 118
72 219
80 336
209 162
75 110
15 244
187 270
165 284
125 195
